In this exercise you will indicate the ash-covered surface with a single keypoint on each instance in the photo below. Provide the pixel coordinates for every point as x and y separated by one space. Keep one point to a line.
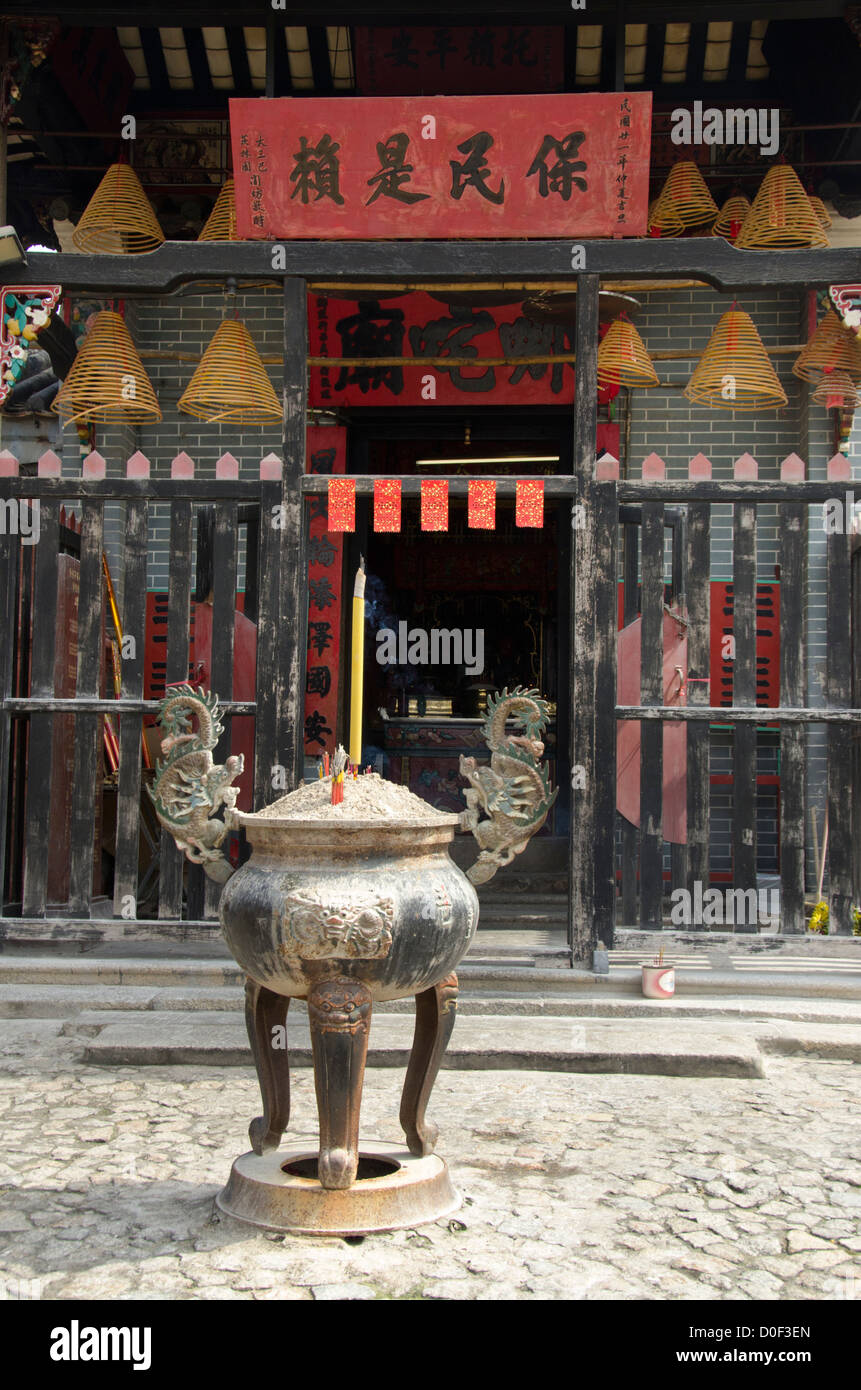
369 797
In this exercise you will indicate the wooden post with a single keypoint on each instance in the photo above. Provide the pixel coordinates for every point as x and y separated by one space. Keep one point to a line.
87 726
178 614
134 625
652 693
630 834
744 689
838 690
582 832
793 685
293 578
39 748
698 605
223 622
9 556
606 505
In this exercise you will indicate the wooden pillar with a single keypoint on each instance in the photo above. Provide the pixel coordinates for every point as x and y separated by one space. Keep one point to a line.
582 832
293 580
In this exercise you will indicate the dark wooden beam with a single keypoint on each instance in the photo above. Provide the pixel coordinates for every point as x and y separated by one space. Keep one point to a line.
318 46
711 259
242 85
155 62
392 12
196 50
739 44
696 56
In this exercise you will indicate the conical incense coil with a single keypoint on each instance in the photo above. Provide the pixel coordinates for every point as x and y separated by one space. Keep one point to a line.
837 391
220 225
230 381
107 380
622 357
831 346
732 214
684 201
735 372
118 217
822 214
781 214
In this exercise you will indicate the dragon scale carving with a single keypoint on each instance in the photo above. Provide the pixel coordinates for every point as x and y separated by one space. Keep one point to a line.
189 789
514 791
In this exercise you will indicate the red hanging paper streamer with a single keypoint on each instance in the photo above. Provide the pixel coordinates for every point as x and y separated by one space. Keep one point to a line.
482 504
529 508
342 504
387 504
434 505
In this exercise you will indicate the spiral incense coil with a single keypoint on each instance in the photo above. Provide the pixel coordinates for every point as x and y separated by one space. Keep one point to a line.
837 391
734 210
684 202
735 372
781 214
107 380
220 225
831 346
622 358
230 381
118 218
821 211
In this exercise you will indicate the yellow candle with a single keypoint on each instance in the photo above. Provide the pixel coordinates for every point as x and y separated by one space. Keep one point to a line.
358 666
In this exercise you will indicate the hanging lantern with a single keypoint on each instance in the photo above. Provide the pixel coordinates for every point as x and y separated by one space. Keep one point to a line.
230 381
220 225
732 215
837 391
831 346
107 380
735 371
118 217
683 202
622 357
820 210
781 214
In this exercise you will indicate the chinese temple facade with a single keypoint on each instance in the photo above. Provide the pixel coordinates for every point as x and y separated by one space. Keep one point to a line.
469 301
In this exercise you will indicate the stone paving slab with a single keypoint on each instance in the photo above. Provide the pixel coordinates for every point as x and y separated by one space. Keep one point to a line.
598 1187
556 1044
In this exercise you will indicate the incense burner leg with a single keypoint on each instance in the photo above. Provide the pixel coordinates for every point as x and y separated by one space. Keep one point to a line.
339 1011
266 1021
436 1010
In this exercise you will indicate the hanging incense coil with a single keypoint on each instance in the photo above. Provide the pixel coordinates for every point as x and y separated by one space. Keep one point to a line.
220 225
831 346
822 214
230 381
781 214
683 202
734 210
622 357
118 217
837 391
107 380
735 371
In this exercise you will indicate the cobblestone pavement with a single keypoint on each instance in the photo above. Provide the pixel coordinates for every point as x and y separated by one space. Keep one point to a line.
575 1186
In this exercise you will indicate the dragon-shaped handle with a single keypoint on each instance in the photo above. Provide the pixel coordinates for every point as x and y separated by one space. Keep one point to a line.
189 788
514 791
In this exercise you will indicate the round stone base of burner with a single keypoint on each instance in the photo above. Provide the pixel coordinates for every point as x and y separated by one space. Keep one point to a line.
279 1191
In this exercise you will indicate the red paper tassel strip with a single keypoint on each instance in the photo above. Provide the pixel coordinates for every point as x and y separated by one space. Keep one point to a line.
434 505
387 504
342 504
482 504
529 508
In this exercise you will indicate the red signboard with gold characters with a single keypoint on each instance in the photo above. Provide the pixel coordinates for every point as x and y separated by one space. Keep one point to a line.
559 165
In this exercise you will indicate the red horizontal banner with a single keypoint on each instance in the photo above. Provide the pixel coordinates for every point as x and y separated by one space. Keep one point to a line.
562 165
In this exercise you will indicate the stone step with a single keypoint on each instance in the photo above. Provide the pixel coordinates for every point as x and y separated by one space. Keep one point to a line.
80 1001
668 1048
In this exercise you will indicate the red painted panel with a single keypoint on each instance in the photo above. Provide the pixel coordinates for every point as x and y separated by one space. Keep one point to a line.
467 59
566 165
327 454
419 326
